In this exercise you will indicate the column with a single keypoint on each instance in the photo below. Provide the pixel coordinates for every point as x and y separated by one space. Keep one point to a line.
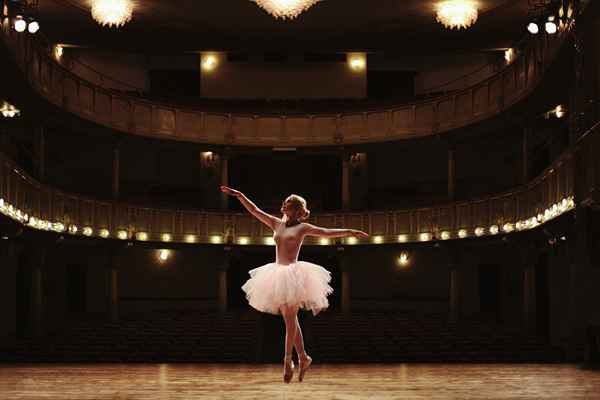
222 280
112 284
345 180
40 144
38 259
454 285
116 171
345 272
525 155
225 179
451 173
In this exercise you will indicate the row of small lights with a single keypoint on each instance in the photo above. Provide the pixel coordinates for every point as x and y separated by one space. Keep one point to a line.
555 210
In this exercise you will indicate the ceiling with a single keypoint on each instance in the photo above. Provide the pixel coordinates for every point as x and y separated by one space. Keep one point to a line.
161 26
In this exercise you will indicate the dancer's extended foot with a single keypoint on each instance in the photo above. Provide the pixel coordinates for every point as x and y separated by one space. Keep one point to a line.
305 360
288 368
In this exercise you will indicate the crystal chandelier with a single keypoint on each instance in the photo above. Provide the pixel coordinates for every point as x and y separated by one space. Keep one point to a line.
457 14
285 9
112 12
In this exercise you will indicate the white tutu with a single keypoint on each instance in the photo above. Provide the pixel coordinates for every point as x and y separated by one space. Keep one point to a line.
301 283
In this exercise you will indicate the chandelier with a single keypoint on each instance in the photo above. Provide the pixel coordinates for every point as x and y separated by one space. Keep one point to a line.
285 9
112 12
457 14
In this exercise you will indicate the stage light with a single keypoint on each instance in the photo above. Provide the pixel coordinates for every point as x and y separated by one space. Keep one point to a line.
20 24
550 25
33 27
462 233
533 28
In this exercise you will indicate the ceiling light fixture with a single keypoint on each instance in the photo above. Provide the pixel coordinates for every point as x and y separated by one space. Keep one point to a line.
457 14
112 12
550 26
285 9
533 28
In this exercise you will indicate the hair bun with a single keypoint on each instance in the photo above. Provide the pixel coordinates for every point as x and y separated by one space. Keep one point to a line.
306 213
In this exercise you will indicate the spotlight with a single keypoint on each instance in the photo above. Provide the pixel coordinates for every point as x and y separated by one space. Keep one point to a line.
533 28
33 27
550 26
20 24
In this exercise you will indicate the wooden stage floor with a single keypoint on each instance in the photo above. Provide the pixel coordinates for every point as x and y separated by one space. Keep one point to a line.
264 381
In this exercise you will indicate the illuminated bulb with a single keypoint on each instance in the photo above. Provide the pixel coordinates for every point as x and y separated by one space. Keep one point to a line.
73 229
533 28
164 255
402 238
571 202
324 241
357 61
166 237
11 210
2 206
215 239
20 24
104 233
190 239
425 236
445 235
122 235
243 240
141 236
209 63
519 225
508 55
32 221
508 227
285 9
58 227
457 14
58 51
351 240
494 229
479 231
269 241
378 239
540 217
550 26
112 12
403 259
560 111
33 27
87 231
462 233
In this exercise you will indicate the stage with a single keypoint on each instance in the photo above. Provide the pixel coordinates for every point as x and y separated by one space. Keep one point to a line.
325 381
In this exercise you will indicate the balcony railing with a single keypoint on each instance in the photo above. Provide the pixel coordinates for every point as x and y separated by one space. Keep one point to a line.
131 114
544 198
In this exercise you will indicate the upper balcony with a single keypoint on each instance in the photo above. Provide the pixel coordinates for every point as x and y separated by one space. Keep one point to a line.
351 124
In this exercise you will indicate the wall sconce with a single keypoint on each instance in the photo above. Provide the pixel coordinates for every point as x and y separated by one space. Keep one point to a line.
58 52
208 159
209 61
509 55
9 111
357 61
402 260
163 255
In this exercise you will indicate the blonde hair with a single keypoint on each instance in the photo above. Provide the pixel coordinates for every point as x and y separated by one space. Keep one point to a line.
300 205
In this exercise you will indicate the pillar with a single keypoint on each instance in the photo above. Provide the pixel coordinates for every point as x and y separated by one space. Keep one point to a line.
454 285
451 174
225 179
112 285
116 176
38 260
222 281
345 180
345 272
525 155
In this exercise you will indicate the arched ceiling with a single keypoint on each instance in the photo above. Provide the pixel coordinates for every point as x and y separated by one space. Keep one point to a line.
398 26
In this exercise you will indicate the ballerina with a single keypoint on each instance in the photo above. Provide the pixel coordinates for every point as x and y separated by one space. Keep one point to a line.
286 285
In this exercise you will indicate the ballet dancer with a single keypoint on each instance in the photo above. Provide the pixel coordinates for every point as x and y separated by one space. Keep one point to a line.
286 285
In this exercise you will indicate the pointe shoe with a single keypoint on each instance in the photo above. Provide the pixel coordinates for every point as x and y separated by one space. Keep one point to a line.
288 369
305 362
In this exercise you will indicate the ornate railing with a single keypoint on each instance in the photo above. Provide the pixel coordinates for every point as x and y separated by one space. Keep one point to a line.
545 197
134 115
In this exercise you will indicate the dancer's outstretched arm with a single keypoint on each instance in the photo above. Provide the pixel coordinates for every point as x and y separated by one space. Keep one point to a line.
267 219
313 230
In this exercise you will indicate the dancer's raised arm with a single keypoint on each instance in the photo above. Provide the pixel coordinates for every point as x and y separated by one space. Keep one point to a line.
313 230
267 219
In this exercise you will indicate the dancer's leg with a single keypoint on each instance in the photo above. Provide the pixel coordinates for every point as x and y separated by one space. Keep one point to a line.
289 317
299 342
